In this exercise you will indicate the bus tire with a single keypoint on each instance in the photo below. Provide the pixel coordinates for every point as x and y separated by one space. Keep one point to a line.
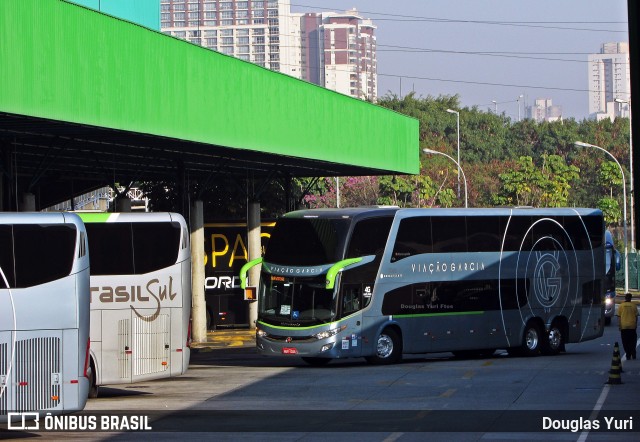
554 340
93 388
388 348
316 362
531 340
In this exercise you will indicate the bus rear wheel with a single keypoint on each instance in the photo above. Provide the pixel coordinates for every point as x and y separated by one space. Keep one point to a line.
388 348
553 341
93 388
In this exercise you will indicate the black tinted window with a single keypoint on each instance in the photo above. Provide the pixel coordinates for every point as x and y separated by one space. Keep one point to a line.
413 238
369 237
483 234
516 237
449 234
155 245
132 248
43 253
110 248
6 256
307 241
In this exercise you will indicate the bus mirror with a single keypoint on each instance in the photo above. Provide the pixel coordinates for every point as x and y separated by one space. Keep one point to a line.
332 273
245 268
250 293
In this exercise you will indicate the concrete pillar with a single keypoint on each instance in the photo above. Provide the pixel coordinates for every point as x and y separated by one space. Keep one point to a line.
198 304
123 204
254 248
28 203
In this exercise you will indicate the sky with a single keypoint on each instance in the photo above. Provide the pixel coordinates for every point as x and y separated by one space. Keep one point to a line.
488 50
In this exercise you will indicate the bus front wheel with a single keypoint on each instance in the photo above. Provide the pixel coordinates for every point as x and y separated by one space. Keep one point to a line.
388 348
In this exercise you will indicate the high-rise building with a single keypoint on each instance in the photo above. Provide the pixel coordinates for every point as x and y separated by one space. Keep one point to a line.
143 12
333 50
609 80
339 53
544 110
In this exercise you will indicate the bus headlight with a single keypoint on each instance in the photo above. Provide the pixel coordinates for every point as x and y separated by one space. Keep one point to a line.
260 333
328 333
608 301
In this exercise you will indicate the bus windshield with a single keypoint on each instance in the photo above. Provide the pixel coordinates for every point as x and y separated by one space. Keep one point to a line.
299 301
307 241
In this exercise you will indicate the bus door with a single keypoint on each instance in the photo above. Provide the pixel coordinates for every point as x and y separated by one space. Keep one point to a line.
353 298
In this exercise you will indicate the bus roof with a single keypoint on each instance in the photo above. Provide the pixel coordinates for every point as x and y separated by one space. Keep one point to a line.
350 212
128 217
371 211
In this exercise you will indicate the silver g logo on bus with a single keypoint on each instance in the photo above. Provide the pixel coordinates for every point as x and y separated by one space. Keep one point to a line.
547 277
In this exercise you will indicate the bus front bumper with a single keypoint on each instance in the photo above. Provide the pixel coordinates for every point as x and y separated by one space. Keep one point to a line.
324 348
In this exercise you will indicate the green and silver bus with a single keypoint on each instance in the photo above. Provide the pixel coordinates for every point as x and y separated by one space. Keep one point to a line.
44 314
140 296
382 282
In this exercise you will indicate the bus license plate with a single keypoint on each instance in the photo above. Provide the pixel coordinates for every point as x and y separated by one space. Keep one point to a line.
289 351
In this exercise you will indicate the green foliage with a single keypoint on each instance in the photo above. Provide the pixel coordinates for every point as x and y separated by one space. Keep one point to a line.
610 209
546 185
505 163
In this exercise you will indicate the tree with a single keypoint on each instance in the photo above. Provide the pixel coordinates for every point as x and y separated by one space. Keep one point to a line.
545 186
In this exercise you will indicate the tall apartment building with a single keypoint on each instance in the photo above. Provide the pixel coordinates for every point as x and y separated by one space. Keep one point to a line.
544 110
333 50
609 79
339 53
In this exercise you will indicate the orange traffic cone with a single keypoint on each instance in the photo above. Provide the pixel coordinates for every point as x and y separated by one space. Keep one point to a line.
616 367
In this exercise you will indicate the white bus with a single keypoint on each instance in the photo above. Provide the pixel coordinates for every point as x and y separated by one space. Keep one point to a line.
44 313
377 283
140 296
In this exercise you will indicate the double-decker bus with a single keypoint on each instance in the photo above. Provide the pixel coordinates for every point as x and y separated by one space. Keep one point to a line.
44 314
140 296
380 282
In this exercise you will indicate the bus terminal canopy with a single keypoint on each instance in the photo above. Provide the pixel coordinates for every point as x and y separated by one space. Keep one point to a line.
87 99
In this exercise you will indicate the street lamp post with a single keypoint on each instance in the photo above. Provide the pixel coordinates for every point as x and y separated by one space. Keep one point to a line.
459 168
631 195
518 101
458 130
624 211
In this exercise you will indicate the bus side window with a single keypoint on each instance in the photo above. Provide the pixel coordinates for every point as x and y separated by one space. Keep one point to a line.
351 298
369 237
